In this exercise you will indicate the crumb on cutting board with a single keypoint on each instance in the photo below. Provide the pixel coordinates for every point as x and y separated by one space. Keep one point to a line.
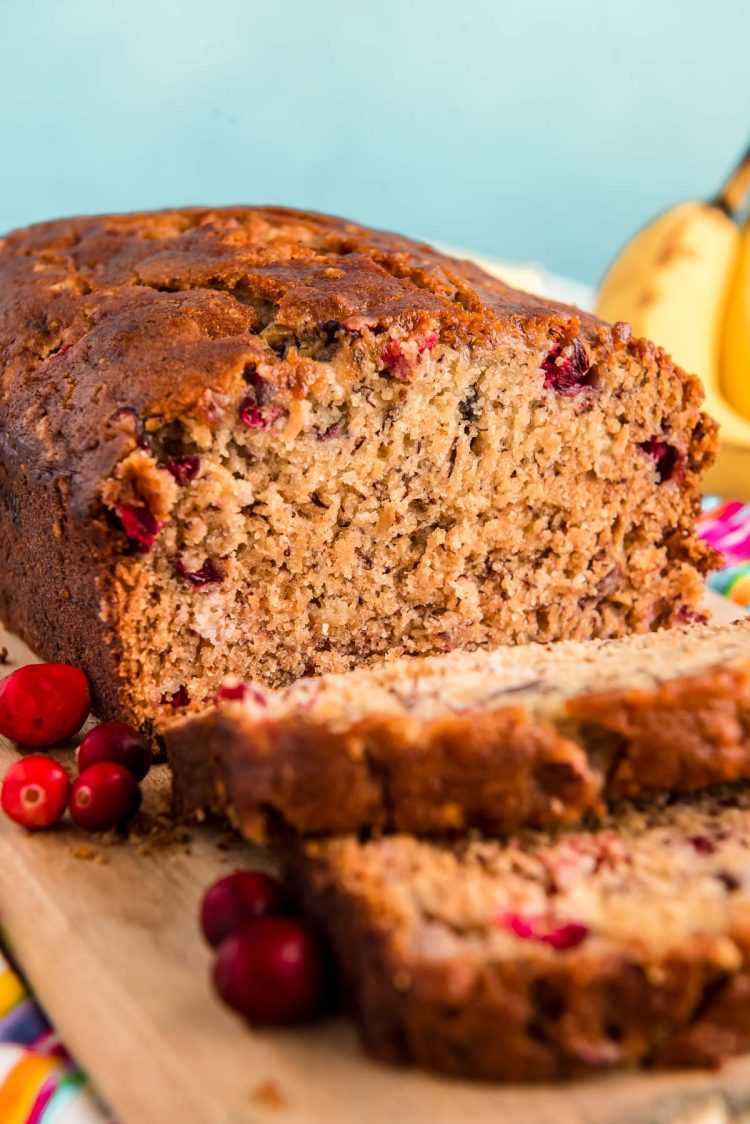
269 1095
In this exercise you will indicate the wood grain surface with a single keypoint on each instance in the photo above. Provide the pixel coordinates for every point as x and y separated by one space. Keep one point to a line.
107 936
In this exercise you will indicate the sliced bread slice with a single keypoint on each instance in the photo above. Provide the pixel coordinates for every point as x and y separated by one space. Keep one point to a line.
546 957
534 735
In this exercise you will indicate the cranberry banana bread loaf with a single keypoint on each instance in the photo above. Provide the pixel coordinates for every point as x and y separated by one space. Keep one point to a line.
546 957
537 735
271 443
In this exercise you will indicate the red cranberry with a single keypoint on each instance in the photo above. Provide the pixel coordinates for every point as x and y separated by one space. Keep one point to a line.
519 925
118 742
43 703
232 692
184 470
104 796
702 844
66 347
271 971
685 614
237 899
396 362
238 692
139 524
35 792
180 698
568 935
559 935
402 359
257 410
260 417
207 574
568 373
669 461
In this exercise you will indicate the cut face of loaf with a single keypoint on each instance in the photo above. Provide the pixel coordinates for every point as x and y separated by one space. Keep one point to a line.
267 443
546 957
537 735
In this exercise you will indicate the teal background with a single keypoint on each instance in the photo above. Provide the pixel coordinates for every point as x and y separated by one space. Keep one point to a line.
545 131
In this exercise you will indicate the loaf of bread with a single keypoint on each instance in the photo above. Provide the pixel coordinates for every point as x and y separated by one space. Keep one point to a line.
270 443
544 957
530 735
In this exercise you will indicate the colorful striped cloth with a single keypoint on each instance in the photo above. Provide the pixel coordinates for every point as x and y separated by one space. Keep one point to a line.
40 1083
725 524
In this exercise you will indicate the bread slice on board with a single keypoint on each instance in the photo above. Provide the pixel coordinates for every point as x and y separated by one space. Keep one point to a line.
546 957
534 735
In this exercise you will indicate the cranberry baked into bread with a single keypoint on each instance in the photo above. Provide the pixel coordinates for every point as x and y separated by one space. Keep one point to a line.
536 734
271 443
547 957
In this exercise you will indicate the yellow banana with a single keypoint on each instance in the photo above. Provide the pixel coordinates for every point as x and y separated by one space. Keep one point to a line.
672 284
735 356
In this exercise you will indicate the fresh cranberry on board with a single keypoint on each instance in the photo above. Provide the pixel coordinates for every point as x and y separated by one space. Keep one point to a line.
271 971
35 792
43 703
104 796
117 742
236 899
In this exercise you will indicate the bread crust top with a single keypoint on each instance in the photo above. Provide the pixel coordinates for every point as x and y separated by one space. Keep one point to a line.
109 320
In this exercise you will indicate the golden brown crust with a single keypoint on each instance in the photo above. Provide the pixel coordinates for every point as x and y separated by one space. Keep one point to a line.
494 771
688 734
159 308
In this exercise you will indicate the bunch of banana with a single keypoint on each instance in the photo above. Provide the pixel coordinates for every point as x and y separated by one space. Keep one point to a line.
684 282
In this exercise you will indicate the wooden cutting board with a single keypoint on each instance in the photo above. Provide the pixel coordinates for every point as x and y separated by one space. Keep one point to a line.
111 946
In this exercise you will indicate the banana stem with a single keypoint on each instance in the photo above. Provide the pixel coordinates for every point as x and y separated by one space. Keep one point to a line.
732 196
